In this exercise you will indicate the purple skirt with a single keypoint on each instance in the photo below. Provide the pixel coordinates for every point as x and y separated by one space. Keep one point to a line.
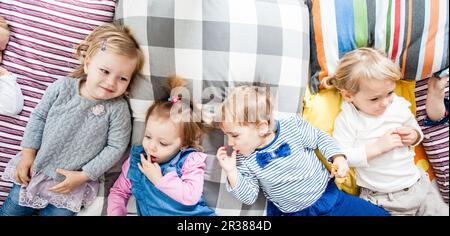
37 196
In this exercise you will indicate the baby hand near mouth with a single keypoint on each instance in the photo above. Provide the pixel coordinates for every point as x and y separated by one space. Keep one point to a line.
152 158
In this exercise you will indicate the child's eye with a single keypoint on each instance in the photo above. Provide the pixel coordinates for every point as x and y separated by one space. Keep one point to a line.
104 71
123 79
235 135
146 136
373 99
164 144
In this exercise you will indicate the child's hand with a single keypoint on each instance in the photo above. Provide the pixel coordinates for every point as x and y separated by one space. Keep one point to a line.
73 180
228 163
23 169
340 167
434 104
151 170
408 135
389 141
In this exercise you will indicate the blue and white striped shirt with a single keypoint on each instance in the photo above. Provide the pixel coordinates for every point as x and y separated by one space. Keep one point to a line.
293 182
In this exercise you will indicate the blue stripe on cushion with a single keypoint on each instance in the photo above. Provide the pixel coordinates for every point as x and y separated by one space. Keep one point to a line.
345 25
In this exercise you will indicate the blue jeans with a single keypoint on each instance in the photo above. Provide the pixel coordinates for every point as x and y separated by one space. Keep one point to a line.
333 202
11 207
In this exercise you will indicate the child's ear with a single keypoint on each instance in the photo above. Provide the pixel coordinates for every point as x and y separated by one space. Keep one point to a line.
86 64
263 127
346 95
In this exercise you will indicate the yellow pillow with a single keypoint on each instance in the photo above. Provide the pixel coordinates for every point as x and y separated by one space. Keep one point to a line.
322 109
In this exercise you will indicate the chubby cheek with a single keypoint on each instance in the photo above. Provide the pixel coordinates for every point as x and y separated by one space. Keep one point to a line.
246 147
391 99
146 145
122 88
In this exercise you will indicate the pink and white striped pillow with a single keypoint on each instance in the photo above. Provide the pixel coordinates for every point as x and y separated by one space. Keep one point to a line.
43 36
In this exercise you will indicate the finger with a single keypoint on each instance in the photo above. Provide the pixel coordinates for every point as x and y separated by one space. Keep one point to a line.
62 172
233 154
30 170
156 164
339 172
22 177
407 141
343 172
140 167
143 160
59 190
392 131
222 155
396 139
25 178
17 177
58 187
333 171
222 152
403 131
64 190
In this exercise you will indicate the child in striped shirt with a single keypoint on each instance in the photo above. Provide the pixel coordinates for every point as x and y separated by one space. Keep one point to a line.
278 157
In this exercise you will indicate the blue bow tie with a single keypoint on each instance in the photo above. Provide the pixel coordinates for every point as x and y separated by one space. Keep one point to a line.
263 158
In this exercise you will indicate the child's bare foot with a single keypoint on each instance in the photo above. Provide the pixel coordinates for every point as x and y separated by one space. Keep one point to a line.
435 98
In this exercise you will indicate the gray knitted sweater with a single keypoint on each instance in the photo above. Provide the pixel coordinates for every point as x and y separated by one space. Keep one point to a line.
75 133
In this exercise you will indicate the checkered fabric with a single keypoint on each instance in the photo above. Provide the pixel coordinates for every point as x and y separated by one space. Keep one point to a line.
216 45
42 42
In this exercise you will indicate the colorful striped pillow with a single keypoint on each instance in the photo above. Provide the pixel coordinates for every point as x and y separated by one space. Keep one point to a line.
413 33
40 50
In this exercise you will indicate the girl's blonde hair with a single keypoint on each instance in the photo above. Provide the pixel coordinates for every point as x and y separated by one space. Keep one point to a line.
247 105
4 24
115 38
359 65
191 129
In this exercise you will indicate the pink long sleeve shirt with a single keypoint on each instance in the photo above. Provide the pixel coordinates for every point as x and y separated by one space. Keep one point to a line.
186 189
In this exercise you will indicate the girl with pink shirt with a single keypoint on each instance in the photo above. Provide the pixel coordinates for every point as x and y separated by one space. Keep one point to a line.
166 173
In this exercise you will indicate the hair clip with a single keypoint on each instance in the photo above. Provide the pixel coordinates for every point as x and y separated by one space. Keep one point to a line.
103 48
174 99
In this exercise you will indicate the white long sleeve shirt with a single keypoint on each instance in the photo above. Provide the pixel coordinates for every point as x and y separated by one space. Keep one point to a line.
11 98
391 171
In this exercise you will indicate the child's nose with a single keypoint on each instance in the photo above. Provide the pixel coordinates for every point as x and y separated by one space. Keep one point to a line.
230 143
385 102
152 147
111 81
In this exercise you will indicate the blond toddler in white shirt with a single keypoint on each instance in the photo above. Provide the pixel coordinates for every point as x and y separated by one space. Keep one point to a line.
378 132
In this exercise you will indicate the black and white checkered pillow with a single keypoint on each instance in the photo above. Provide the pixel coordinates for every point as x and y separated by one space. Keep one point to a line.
216 45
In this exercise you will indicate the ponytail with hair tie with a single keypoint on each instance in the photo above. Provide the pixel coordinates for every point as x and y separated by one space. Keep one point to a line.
329 82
